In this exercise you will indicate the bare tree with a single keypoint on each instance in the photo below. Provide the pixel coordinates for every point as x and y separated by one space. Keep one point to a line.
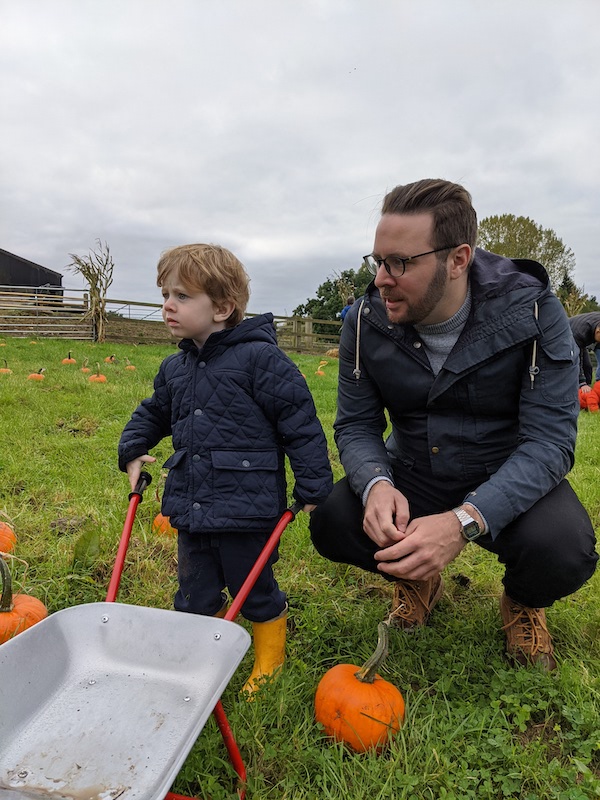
97 269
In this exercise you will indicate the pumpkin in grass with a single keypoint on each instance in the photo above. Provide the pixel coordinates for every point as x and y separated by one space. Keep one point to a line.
68 359
17 611
357 706
37 376
129 366
7 538
162 524
85 368
97 377
5 370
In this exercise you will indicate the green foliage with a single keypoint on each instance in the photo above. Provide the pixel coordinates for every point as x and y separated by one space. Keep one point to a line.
475 727
574 300
521 237
333 294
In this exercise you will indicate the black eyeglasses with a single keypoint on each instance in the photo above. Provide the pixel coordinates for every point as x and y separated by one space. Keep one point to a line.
395 265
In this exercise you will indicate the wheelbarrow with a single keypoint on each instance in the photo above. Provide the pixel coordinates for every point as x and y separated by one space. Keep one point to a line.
105 700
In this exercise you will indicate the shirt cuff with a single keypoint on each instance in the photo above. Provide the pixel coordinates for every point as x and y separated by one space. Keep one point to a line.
370 485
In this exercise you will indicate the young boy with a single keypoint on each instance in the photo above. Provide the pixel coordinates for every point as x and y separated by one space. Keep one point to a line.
234 405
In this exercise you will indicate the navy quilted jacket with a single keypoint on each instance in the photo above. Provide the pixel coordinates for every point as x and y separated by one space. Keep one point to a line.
234 408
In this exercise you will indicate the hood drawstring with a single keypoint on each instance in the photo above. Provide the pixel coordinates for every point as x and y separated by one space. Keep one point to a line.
356 371
534 369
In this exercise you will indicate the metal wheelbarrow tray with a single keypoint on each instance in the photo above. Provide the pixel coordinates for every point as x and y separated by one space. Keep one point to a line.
106 700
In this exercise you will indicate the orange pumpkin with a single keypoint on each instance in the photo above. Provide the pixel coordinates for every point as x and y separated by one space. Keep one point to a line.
356 705
68 359
97 377
110 359
85 367
37 376
17 611
129 366
7 538
162 524
5 370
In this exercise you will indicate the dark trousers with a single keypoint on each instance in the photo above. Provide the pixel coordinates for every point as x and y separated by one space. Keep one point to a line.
209 563
548 552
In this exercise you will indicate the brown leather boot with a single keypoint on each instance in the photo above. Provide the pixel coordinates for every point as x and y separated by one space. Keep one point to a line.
527 638
414 601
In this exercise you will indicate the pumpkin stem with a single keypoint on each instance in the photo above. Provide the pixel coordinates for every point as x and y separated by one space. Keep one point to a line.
6 603
366 674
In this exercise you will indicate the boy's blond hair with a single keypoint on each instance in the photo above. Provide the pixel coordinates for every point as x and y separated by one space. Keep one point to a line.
208 268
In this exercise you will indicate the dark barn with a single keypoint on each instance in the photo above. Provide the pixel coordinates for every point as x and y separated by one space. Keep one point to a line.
19 272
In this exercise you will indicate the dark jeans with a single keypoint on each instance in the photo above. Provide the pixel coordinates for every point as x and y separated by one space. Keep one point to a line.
548 552
209 563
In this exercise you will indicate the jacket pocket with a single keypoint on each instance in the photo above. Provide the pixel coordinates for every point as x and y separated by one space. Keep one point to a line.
558 372
175 491
246 484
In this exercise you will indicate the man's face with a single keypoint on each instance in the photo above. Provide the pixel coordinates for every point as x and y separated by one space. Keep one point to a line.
416 296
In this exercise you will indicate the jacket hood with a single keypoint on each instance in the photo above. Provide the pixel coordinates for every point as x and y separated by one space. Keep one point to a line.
251 329
492 275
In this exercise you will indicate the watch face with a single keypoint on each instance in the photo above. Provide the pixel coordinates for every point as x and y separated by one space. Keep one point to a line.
471 530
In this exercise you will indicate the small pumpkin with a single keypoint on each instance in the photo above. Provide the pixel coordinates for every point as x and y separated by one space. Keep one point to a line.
97 377
162 525
356 705
5 370
85 368
17 611
37 376
8 538
129 366
68 359
110 359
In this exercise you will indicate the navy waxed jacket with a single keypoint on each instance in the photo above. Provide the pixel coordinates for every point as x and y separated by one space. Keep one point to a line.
234 409
497 426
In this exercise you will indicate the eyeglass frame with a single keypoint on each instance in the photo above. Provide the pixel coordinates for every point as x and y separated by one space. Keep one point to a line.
405 261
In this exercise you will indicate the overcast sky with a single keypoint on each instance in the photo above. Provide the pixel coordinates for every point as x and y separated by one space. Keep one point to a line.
275 127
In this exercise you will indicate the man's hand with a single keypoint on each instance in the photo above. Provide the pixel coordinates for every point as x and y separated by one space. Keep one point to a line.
386 514
429 544
585 388
135 467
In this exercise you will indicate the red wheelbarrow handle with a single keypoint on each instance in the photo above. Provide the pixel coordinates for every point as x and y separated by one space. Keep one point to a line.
264 556
135 498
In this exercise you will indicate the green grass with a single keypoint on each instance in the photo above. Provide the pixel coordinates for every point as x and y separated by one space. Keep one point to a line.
475 727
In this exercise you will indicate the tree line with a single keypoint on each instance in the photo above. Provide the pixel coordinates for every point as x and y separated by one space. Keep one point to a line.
507 235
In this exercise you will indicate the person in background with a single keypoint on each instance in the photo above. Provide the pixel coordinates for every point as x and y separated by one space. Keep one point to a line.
586 332
235 406
347 307
471 357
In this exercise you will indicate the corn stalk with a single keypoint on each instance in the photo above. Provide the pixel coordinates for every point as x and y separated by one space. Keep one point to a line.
97 269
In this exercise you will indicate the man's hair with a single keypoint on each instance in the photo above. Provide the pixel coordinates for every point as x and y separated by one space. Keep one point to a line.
208 268
454 218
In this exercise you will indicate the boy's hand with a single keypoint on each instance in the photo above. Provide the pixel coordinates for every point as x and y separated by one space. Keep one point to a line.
308 508
134 468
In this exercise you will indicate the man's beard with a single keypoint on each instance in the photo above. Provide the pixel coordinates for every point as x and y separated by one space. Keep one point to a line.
414 313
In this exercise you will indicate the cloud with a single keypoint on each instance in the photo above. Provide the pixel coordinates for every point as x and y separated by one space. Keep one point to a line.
275 128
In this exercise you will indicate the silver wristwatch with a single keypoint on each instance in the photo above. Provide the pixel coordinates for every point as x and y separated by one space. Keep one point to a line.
468 526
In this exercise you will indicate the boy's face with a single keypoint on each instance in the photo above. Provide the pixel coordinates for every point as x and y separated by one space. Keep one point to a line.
191 314
597 334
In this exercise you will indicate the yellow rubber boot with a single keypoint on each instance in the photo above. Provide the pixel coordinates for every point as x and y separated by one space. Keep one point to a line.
269 651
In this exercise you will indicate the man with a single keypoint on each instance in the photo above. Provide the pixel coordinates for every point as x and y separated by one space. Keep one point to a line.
586 332
472 357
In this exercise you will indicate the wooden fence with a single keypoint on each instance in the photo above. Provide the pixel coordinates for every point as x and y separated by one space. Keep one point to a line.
50 311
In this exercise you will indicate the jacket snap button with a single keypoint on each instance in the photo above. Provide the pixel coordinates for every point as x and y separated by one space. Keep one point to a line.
198 412
195 457
366 310
196 506
435 450
202 364
417 344
245 463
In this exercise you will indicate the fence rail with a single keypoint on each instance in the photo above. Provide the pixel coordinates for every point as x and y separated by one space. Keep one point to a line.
27 311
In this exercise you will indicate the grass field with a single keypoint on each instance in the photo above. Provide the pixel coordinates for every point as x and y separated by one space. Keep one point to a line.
475 727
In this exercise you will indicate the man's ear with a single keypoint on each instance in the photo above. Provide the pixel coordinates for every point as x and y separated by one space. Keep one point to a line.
223 310
460 259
